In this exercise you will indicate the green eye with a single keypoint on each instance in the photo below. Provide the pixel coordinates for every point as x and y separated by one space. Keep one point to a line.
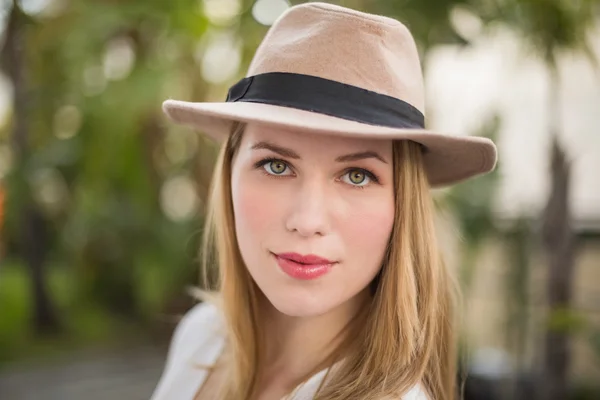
277 167
357 177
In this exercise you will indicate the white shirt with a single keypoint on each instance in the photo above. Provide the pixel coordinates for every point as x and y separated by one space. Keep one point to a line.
198 342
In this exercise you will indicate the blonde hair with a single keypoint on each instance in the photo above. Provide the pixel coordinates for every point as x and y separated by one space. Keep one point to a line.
404 338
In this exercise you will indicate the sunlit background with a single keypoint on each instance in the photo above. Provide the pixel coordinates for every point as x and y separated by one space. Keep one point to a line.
102 199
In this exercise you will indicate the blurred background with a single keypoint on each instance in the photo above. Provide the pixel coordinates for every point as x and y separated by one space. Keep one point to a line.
101 199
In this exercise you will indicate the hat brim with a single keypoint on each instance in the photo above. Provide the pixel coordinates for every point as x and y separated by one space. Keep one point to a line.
448 159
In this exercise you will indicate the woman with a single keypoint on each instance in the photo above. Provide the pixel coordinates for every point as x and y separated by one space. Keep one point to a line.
330 283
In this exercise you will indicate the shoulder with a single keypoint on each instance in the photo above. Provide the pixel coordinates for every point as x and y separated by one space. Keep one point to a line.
191 343
416 393
197 325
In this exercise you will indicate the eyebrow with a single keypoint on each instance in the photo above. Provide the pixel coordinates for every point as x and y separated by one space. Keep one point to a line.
285 152
282 151
361 156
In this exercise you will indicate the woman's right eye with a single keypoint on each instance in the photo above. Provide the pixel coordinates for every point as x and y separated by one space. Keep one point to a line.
275 167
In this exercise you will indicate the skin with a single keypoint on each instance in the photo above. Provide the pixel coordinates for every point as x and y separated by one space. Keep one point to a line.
309 201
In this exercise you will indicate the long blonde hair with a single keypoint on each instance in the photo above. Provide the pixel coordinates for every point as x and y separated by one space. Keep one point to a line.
404 338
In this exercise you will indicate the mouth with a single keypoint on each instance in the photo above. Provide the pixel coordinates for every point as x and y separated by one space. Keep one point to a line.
308 260
303 267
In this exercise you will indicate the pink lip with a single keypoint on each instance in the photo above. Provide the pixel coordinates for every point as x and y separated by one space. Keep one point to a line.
303 267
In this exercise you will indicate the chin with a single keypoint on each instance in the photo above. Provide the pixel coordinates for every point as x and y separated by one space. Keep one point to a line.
301 303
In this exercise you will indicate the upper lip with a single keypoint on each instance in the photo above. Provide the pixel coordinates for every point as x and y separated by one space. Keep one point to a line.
308 259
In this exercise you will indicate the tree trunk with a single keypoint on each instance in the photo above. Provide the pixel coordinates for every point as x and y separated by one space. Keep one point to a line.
33 237
558 240
517 303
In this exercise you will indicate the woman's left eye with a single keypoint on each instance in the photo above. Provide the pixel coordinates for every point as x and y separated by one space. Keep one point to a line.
357 177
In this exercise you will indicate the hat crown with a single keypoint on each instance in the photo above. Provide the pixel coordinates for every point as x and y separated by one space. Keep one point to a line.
336 43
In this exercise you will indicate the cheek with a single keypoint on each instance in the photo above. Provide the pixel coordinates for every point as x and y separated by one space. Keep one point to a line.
256 213
249 207
366 234
370 226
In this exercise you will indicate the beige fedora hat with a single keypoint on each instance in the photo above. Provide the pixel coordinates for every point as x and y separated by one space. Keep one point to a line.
332 70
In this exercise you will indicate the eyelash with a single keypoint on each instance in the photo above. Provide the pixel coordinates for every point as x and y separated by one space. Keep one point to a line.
260 165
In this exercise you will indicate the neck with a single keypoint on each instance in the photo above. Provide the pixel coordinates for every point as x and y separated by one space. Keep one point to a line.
297 347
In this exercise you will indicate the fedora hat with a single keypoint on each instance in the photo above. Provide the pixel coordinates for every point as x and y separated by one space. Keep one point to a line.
332 70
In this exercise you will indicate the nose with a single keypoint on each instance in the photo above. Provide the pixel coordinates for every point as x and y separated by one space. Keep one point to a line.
309 215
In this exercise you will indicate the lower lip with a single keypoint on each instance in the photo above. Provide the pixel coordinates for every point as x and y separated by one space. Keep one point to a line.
302 271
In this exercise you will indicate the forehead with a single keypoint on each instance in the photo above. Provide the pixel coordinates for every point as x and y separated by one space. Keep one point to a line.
300 140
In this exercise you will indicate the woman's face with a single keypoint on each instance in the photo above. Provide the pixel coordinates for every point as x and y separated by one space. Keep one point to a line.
313 215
